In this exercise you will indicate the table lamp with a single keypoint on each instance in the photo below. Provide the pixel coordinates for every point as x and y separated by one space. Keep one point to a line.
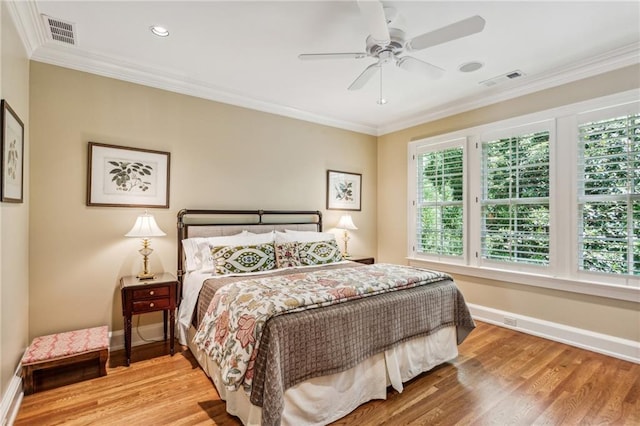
346 223
145 228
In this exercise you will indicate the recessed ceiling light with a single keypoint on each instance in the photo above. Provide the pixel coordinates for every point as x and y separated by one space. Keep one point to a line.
159 30
470 66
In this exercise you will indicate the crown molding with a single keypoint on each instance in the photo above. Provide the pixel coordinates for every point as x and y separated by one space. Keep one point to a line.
112 67
28 23
612 60
109 66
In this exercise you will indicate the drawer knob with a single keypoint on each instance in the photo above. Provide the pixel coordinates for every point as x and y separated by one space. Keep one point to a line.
151 305
152 292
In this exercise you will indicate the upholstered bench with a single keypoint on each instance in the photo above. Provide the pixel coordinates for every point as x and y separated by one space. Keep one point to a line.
63 349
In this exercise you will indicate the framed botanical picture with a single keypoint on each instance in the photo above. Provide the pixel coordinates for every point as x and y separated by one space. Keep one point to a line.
343 190
127 177
12 155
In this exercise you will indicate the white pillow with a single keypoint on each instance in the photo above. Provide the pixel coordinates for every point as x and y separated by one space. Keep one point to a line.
281 237
309 236
191 254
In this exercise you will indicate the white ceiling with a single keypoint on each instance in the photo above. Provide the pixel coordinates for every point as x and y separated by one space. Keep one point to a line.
246 53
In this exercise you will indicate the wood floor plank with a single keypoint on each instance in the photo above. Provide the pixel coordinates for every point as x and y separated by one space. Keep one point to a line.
501 377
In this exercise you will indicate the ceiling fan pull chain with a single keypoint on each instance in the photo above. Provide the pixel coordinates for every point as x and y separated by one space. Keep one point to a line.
381 100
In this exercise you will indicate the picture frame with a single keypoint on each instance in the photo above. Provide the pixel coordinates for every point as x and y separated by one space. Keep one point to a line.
119 176
12 168
344 190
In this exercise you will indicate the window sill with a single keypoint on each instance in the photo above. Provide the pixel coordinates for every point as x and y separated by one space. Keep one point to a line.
611 291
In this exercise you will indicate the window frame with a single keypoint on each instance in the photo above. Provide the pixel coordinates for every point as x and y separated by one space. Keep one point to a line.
436 145
562 273
507 132
598 114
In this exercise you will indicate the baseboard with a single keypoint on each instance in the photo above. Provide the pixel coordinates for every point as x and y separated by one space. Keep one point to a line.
616 347
139 336
11 399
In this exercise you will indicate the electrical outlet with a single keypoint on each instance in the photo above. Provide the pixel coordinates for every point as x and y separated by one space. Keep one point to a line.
510 321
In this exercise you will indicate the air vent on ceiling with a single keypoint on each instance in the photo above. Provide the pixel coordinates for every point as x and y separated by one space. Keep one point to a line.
60 30
502 78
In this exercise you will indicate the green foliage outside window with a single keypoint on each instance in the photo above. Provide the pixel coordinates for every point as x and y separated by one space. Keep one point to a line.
440 197
515 205
609 196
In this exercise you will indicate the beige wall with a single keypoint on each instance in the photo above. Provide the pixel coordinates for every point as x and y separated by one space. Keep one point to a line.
602 315
221 157
229 157
14 218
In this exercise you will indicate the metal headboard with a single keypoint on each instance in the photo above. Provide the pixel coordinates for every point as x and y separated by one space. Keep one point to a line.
188 218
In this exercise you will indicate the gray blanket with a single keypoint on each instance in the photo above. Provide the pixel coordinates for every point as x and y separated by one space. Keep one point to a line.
316 342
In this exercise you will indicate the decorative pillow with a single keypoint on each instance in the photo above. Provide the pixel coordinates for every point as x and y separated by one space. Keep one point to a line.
319 252
243 259
244 239
287 254
193 256
309 236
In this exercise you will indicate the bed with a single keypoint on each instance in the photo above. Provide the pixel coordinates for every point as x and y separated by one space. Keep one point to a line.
291 333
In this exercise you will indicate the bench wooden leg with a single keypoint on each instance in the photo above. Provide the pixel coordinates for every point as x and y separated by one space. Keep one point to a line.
104 354
27 380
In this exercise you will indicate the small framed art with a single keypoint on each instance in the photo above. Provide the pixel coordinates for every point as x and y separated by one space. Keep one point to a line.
12 155
343 190
127 177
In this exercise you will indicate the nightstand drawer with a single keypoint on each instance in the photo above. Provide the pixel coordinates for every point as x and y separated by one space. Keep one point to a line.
145 293
151 305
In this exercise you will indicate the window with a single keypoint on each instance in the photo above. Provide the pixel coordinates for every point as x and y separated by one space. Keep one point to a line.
609 195
550 199
439 205
515 199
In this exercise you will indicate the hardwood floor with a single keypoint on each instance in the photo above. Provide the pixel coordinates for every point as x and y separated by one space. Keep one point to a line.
501 377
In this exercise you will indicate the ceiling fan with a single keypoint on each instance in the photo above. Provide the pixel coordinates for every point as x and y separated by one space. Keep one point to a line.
386 42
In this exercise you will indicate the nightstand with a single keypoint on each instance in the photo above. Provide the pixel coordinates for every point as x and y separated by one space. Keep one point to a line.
362 259
143 296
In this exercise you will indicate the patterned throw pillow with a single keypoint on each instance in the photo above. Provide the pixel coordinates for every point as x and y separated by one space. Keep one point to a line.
319 252
287 254
241 259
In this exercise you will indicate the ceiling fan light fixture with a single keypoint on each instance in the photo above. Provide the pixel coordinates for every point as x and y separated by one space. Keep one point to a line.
159 30
387 41
470 66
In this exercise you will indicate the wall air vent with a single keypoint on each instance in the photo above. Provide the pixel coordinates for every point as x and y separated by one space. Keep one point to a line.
60 30
502 78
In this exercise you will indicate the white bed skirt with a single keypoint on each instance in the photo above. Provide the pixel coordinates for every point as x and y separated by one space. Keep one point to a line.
322 400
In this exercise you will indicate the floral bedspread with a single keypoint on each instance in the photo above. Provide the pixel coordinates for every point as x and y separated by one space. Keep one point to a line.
231 329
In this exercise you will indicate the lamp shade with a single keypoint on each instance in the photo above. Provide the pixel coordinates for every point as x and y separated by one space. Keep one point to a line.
145 227
346 222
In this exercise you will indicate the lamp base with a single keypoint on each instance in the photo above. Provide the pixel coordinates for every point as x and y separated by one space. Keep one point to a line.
145 251
145 276
346 239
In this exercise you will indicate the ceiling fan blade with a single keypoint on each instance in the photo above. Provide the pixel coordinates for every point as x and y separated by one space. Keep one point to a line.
373 12
411 64
363 78
316 56
459 29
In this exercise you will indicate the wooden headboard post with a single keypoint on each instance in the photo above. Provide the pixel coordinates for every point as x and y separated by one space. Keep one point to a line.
244 218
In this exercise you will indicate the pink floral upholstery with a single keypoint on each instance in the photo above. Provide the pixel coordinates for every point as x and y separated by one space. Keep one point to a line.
61 345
